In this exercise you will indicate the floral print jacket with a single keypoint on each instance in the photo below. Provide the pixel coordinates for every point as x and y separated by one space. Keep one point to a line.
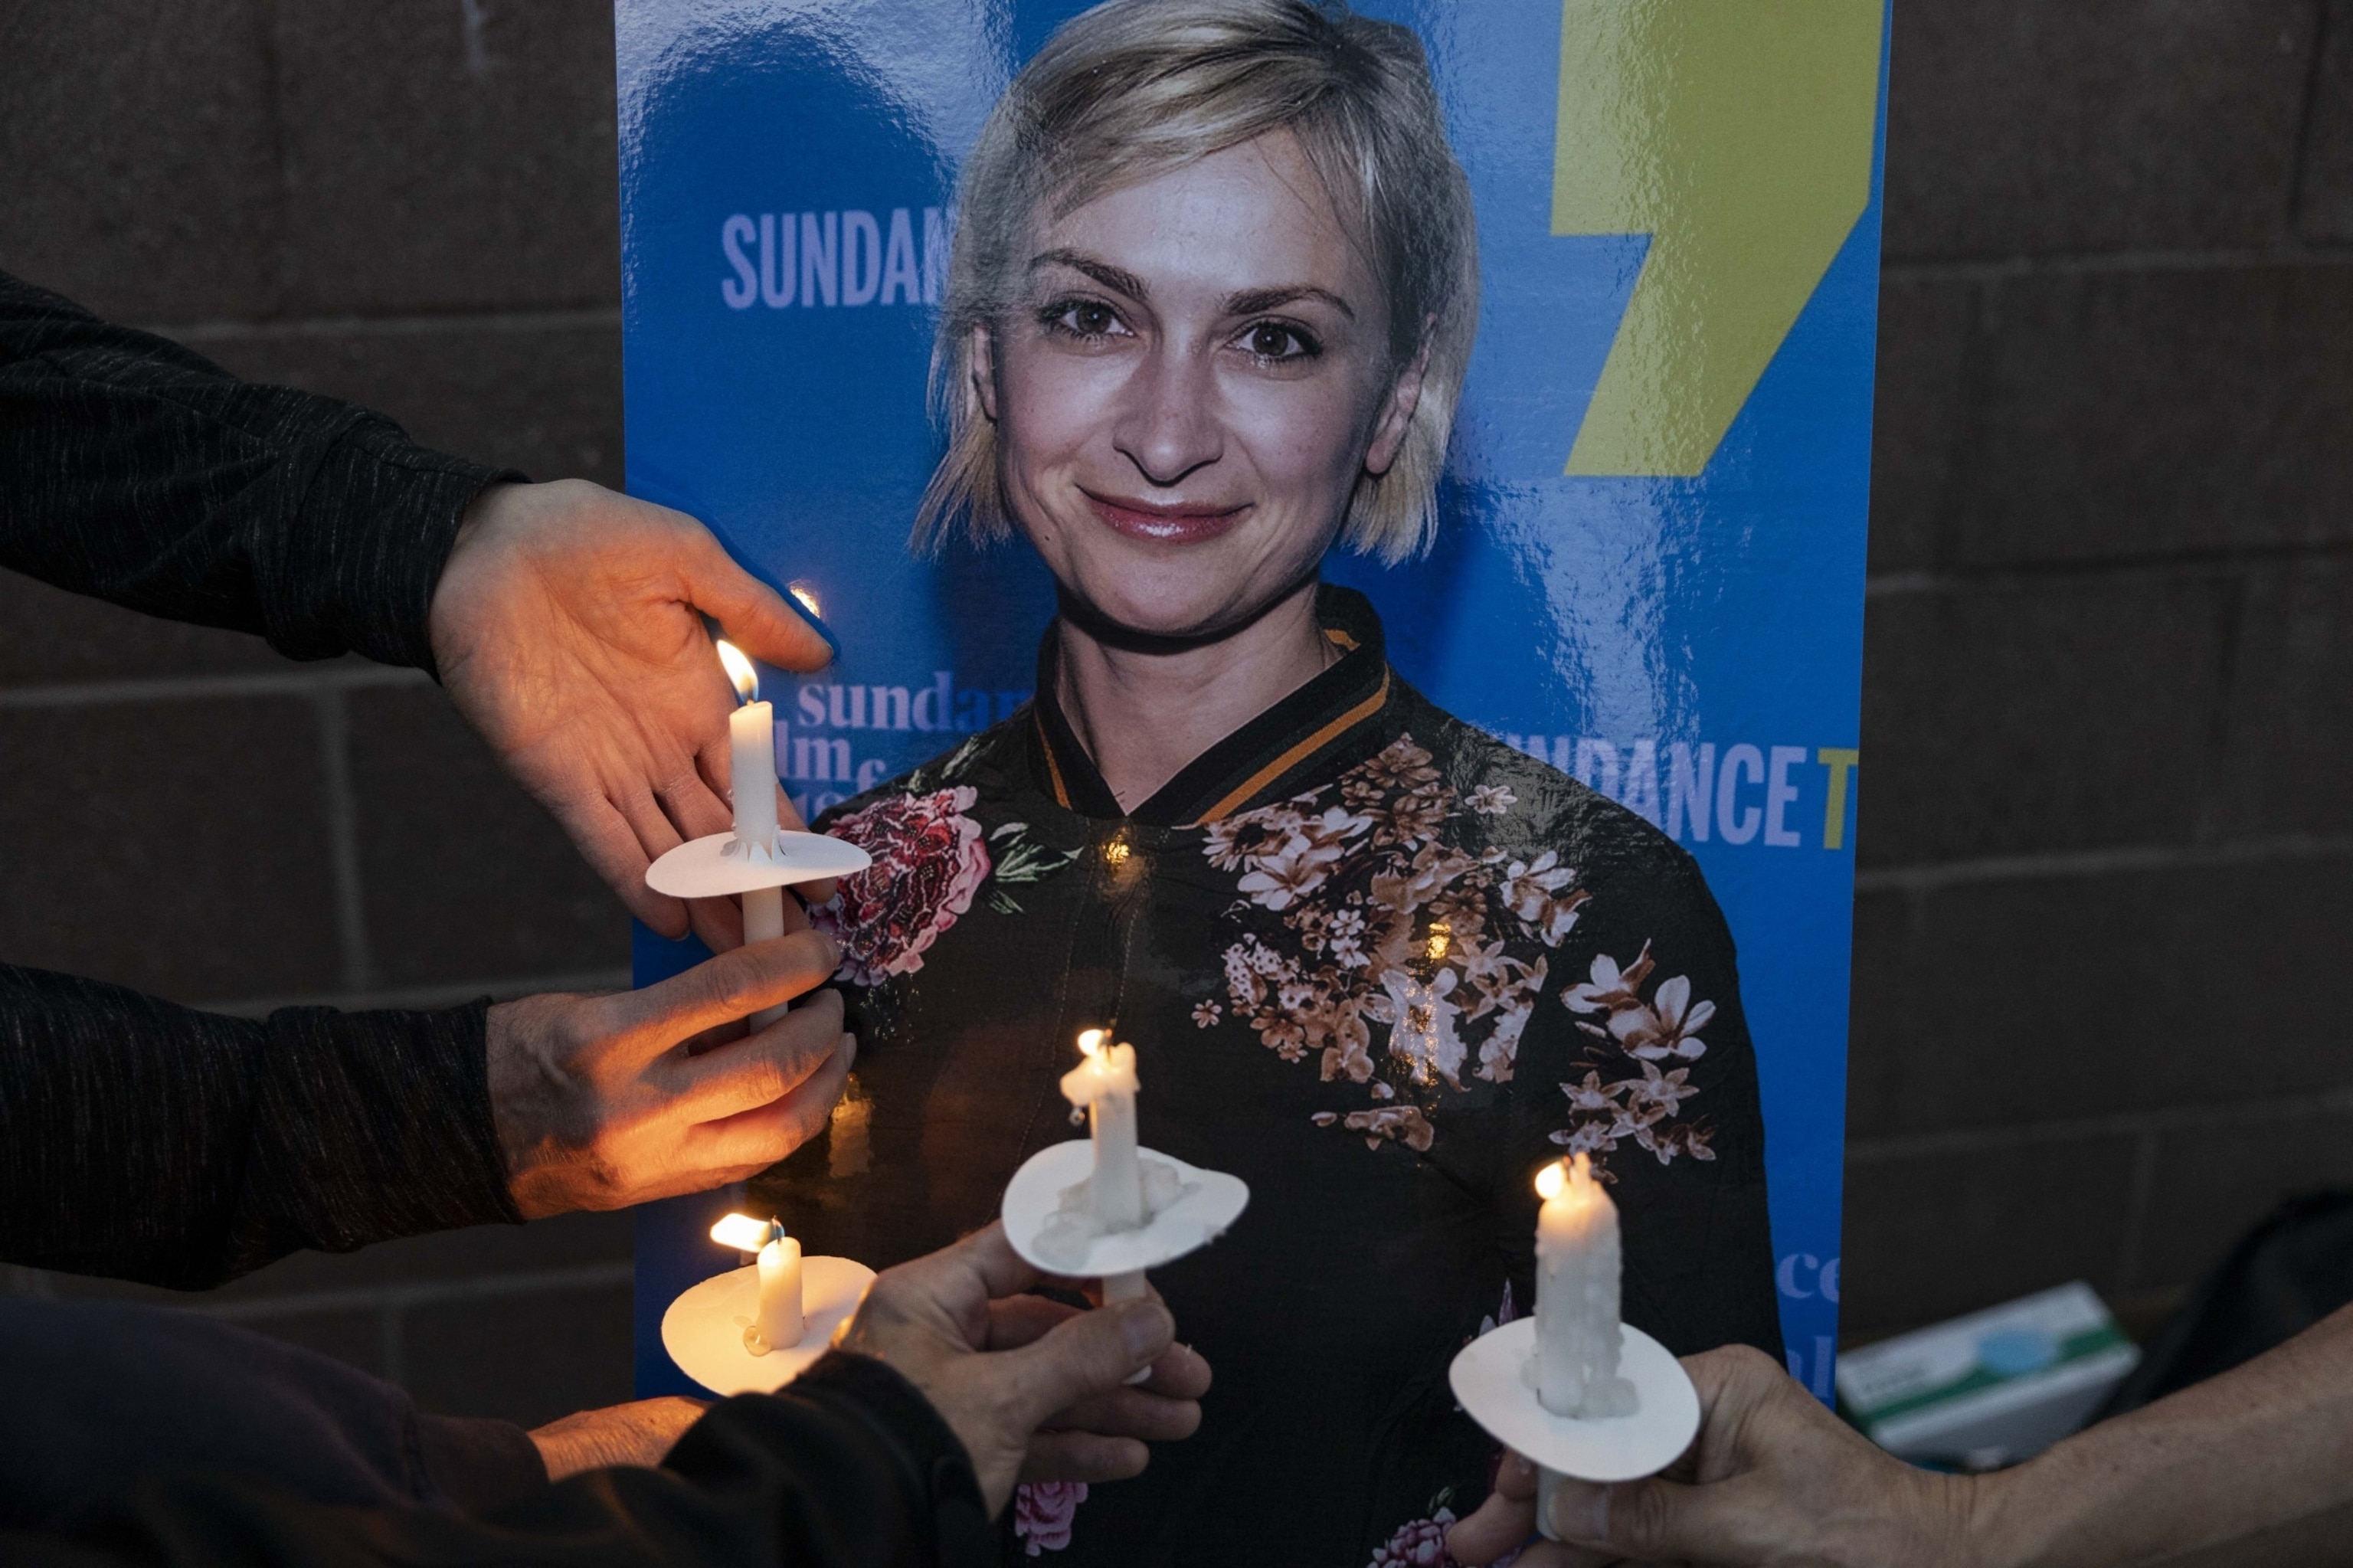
1375 963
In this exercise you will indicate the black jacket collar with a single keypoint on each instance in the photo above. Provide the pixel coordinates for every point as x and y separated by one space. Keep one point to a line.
1296 736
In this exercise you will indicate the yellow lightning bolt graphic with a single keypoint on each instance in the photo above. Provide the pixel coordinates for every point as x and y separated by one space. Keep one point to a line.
1737 134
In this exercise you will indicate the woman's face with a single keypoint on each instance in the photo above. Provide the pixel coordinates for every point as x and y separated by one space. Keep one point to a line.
1195 375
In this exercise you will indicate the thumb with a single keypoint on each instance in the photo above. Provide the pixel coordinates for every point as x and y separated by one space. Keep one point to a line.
735 984
1649 1520
1092 1353
755 617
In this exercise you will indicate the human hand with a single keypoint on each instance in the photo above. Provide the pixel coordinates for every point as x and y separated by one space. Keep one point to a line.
1103 1437
1773 1478
567 624
998 1369
641 1432
605 1101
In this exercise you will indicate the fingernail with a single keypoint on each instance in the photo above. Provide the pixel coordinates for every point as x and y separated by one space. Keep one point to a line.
1145 1328
816 624
1580 1512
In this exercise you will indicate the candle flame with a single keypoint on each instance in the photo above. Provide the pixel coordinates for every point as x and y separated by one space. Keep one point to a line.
1442 937
1090 1040
807 597
745 1234
1551 1180
739 670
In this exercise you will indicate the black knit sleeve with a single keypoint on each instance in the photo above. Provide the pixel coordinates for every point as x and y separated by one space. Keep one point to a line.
102 1393
149 1141
144 475
846 1467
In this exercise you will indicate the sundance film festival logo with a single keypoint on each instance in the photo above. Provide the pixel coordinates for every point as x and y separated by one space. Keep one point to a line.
826 260
1733 794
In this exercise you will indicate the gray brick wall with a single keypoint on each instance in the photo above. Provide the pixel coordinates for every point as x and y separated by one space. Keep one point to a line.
2103 949
409 205
2104 936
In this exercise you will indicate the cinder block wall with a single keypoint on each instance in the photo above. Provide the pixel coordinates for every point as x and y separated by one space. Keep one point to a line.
2104 940
408 204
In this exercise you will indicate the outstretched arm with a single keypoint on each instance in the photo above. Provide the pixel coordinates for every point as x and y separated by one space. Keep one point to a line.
2256 1466
144 475
566 621
183 1147
849 1466
898 1453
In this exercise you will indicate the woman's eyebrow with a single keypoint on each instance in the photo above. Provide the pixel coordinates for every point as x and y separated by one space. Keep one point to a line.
1116 278
1249 301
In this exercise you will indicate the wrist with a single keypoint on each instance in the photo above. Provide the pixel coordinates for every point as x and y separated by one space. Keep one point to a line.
445 607
530 1103
2002 1519
639 1433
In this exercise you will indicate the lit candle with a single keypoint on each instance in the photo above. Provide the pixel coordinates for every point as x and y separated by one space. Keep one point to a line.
1577 1330
1105 1084
752 737
780 1323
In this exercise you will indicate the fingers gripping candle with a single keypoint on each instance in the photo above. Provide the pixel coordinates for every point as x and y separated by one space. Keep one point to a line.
752 749
1577 1332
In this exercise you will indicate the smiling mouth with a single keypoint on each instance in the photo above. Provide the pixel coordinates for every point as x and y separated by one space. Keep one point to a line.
1163 524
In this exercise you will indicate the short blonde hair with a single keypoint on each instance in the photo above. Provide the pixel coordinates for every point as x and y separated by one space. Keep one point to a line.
1134 88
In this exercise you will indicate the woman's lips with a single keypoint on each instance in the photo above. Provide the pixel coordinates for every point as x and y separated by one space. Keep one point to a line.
1164 525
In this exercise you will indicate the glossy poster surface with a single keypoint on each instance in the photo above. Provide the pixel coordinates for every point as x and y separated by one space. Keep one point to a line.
1650 568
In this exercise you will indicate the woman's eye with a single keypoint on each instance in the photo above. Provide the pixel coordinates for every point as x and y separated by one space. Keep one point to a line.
1272 340
1084 318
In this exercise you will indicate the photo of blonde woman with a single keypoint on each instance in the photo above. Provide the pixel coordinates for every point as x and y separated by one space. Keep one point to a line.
1213 294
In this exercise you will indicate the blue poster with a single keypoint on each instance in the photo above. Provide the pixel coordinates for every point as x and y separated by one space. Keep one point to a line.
1634 560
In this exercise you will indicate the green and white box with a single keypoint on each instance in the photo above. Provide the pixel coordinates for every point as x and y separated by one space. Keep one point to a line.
1990 1388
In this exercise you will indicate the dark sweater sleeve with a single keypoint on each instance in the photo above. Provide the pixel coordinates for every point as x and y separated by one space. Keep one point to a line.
103 1393
848 1467
181 1148
144 475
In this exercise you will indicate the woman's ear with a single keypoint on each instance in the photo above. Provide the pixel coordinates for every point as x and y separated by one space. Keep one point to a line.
1397 410
984 370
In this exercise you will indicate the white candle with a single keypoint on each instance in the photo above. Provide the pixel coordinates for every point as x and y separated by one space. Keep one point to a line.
1578 1331
751 772
781 1323
1105 1084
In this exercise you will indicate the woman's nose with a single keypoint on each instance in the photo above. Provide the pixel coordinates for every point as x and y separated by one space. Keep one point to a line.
1166 424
